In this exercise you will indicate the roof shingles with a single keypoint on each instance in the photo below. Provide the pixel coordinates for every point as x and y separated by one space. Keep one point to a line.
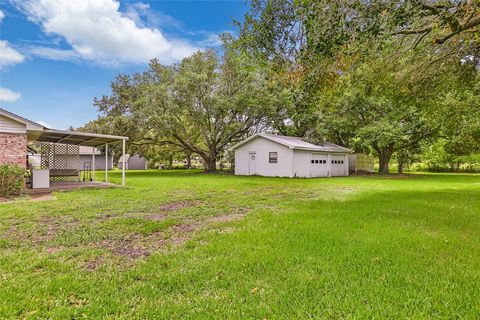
299 143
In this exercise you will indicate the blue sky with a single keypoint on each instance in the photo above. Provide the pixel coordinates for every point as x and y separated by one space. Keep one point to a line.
57 55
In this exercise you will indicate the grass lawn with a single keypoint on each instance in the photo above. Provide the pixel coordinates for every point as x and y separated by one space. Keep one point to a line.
188 245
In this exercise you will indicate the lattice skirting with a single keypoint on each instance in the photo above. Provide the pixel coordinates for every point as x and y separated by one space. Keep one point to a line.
63 160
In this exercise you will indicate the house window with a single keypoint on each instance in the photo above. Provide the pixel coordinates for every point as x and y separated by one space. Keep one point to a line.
272 157
313 161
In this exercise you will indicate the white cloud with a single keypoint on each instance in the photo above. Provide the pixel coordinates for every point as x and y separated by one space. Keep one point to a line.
135 11
141 14
53 54
8 55
211 40
7 95
99 32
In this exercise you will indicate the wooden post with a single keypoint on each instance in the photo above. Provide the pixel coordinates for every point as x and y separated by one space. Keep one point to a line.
106 162
124 163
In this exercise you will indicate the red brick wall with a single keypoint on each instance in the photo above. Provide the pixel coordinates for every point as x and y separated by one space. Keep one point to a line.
13 149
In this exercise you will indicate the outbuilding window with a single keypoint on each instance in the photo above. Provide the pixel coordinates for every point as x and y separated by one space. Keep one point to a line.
272 157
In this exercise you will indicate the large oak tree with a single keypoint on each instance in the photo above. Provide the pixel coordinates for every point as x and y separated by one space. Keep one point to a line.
203 105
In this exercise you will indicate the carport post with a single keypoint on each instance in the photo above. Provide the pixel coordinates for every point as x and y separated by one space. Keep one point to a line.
93 164
123 163
106 161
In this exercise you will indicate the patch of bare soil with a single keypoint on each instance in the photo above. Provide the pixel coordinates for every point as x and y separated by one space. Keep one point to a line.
178 205
42 197
127 248
46 229
136 246
140 215
155 216
226 230
52 227
94 264
52 250
226 217
10 199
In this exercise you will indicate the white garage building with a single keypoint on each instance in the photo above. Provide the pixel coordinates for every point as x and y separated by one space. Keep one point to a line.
281 156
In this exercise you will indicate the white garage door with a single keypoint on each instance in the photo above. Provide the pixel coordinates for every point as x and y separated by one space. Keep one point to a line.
338 165
318 165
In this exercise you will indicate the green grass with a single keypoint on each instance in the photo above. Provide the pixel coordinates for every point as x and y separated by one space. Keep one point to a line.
188 245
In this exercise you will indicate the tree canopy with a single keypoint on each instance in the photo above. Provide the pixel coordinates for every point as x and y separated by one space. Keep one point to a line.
379 76
385 77
202 105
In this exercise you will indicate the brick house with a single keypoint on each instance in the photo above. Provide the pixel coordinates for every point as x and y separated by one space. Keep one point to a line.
15 131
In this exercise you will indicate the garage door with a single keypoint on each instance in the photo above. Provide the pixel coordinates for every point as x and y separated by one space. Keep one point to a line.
338 165
318 165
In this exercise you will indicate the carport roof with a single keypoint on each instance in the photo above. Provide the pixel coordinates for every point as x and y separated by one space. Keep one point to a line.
77 138
297 143
38 132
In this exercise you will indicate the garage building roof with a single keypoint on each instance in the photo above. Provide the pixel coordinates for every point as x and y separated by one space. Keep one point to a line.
297 143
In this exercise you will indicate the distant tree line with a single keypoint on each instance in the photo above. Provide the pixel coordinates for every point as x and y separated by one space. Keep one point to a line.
396 79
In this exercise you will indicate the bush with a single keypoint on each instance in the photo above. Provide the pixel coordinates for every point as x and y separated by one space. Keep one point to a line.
12 180
462 168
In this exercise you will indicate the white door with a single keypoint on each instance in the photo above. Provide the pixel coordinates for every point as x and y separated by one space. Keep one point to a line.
252 163
338 165
318 165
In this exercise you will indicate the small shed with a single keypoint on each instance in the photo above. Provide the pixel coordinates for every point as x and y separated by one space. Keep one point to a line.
134 162
283 156
100 163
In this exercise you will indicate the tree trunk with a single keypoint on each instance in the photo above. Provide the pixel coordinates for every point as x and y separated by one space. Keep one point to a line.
384 156
170 162
400 167
212 165
211 161
189 161
452 166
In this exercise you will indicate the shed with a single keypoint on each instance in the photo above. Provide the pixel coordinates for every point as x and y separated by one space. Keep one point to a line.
86 158
134 162
283 156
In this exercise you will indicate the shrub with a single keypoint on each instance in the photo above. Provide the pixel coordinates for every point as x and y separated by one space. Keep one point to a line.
11 180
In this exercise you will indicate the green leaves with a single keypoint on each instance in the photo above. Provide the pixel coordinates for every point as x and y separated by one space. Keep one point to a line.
201 105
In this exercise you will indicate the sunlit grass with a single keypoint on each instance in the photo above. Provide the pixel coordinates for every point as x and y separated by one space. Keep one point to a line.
184 244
